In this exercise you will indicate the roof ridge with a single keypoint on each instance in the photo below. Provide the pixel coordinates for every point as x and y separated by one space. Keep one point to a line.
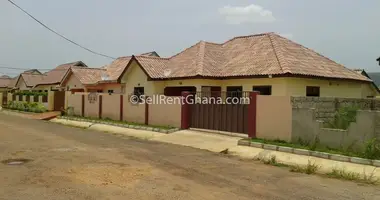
175 55
153 57
276 53
247 36
200 57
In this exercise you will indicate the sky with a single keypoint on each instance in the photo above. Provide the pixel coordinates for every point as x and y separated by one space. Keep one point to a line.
347 31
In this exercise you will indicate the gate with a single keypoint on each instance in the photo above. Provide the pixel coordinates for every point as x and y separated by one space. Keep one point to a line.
59 100
220 112
5 98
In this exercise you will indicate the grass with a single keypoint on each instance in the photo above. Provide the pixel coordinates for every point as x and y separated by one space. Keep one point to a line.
372 149
120 122
310 168
271 161
353 176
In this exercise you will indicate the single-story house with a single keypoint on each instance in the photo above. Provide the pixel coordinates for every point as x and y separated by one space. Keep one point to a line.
4 82
51 80
106 79
264 62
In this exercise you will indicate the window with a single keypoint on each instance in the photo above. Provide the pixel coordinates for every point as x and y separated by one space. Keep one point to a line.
312 91
110 91
99 91
234 91
138 92
264 90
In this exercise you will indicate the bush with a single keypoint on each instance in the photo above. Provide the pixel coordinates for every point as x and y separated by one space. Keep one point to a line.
27 107
343 117
31 93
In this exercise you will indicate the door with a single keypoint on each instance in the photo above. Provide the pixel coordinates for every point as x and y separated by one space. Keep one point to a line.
59 100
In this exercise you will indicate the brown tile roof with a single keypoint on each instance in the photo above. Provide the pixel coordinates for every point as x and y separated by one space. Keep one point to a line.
254 55
116 68
12 83
4 81
89 75
5 77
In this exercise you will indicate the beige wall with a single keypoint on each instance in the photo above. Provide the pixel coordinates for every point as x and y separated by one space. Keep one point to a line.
306 128
133 113
336 88
75 101
165 114
274 118
73 83
111 106
91 109
135 77
21 85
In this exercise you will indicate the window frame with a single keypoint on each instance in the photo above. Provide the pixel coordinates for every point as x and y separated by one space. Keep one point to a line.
138 94
260 87
308 88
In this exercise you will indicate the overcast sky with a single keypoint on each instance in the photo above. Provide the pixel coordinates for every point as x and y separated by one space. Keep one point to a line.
347 31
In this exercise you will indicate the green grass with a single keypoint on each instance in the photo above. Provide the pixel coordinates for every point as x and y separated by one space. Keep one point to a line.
120 122
371 152
353 176
310 168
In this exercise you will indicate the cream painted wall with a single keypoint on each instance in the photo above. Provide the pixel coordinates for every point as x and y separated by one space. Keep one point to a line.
135 77
21 85
116 88
73 83
335 88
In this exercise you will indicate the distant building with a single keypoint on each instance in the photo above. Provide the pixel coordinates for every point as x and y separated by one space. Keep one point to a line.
378 60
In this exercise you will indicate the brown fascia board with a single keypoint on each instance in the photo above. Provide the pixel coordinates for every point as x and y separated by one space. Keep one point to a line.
256 76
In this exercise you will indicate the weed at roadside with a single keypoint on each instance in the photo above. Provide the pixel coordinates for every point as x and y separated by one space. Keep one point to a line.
310 168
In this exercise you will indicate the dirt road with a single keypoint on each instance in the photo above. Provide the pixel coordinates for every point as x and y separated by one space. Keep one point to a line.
70 163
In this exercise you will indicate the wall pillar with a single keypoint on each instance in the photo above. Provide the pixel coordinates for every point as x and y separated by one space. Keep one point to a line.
121 107
100 106
185 111
252 114
146 112
83 105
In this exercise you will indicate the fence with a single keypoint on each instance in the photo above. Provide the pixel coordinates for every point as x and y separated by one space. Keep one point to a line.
325 107
47 101
119 107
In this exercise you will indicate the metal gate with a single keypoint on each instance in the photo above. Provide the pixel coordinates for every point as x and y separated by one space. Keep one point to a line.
59 100
221 115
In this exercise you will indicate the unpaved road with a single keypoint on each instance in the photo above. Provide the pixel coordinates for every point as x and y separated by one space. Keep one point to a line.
71 163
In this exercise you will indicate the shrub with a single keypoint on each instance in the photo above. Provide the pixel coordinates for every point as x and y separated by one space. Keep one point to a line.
27 107
343 117
31 93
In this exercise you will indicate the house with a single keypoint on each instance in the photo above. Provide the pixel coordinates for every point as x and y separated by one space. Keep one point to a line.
264 62
364 73
51 80
106 79
4 82
378 60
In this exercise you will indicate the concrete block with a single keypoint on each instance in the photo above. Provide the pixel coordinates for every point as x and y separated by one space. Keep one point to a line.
270 147
340 158
256 144
376 163
126 125
285 149
149 129
303 152
361 161
132 126
163 131
320 154
243 142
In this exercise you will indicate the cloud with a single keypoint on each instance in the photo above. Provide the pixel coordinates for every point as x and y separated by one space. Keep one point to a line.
286 35
249 14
